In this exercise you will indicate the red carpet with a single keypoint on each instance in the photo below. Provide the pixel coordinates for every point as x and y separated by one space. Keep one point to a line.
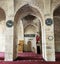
29 58
29 62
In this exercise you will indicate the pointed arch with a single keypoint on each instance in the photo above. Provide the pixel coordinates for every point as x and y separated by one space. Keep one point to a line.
26 9
56 16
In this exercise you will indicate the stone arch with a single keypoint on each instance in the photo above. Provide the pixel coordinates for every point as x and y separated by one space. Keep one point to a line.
30 26
37 10
2 30
3 15
56 16
34 10
24 11
56 7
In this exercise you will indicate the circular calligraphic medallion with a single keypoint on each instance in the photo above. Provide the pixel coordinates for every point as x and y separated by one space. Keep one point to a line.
9 23
48 21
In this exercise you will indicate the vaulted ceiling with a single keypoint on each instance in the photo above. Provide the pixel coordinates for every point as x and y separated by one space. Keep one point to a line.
31 20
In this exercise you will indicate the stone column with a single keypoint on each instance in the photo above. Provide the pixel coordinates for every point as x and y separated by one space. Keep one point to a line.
20 36
49 32
43 42
10 47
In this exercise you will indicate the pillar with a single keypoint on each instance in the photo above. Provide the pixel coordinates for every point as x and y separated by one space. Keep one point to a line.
10 46
20 36
49 51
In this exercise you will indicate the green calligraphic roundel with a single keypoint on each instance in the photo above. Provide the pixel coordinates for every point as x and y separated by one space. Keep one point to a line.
9 23
48 22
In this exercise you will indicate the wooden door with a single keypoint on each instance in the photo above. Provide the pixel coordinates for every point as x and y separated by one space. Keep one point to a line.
20 46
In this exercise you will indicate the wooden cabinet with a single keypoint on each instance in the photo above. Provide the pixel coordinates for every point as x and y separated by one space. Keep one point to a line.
20 46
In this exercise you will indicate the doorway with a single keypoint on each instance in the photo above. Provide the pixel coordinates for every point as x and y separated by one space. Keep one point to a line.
29 46
38 50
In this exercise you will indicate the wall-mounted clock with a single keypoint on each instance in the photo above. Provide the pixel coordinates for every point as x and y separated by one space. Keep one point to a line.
50 38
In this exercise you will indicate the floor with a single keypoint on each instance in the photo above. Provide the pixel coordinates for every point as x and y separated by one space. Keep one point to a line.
29 58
